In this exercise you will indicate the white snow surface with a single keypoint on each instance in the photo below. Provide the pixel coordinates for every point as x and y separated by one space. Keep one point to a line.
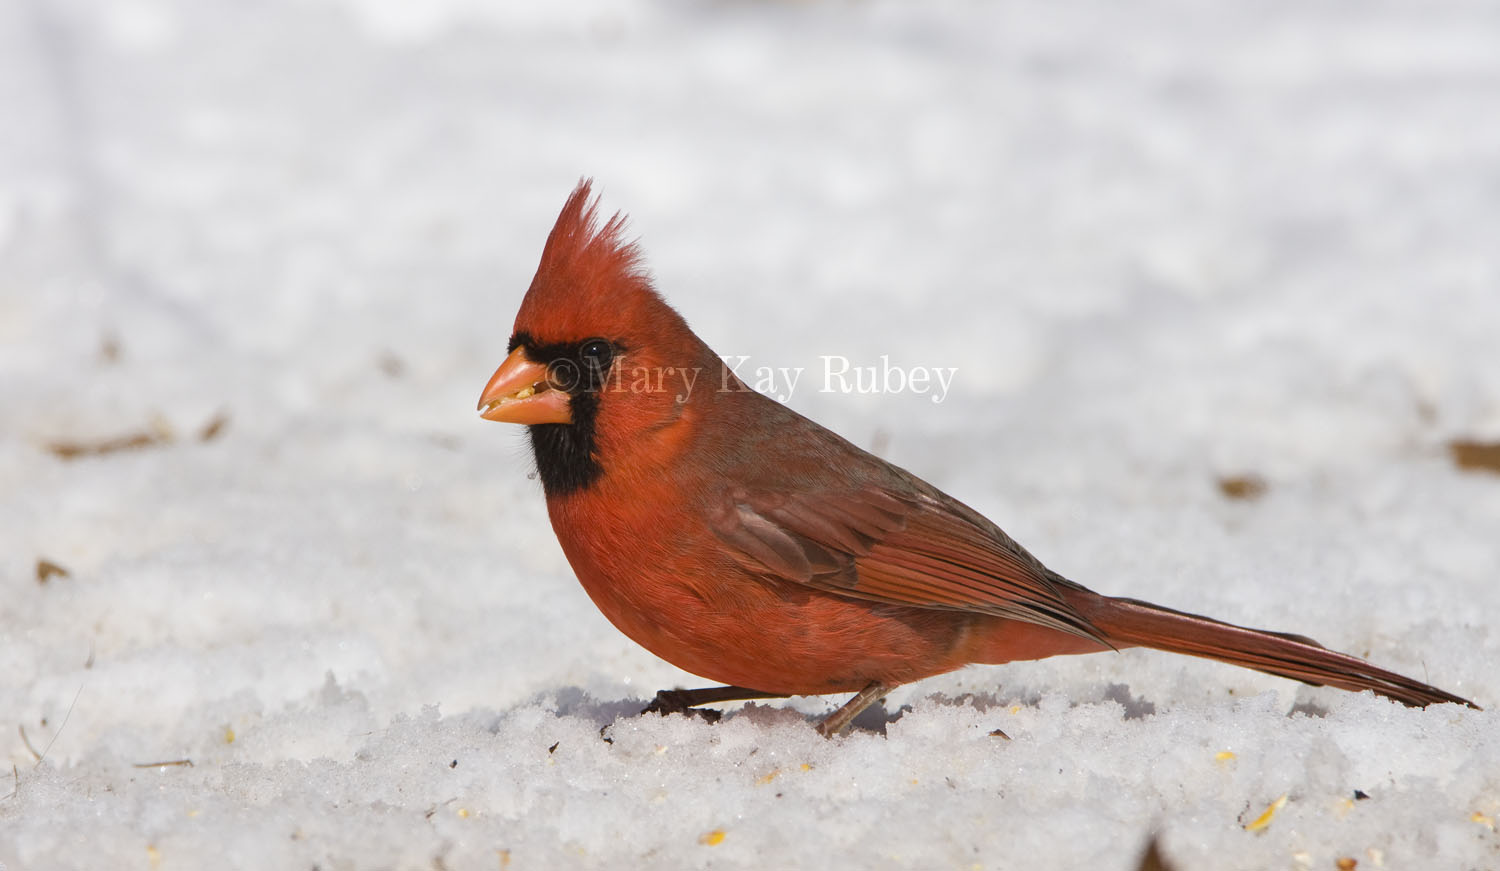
1162 243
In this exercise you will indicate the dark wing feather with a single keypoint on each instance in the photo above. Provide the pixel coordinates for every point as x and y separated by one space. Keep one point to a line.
918 550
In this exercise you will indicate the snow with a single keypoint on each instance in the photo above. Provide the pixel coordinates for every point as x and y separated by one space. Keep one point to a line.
1161 244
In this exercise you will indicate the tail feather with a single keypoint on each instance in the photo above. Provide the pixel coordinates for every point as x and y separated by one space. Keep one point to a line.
1129 622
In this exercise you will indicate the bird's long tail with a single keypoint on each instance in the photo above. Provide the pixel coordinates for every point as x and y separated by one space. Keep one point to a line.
1129 622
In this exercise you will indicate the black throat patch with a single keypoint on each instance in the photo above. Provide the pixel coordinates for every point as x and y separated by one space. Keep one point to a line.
564 452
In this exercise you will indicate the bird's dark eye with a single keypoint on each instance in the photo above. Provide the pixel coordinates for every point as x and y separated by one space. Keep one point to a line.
596 354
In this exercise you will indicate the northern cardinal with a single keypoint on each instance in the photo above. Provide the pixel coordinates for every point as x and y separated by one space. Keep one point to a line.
742 542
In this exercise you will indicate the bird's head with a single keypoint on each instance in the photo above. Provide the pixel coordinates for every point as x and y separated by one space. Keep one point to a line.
598 362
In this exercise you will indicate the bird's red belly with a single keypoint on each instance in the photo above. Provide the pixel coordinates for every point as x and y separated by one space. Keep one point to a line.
724 624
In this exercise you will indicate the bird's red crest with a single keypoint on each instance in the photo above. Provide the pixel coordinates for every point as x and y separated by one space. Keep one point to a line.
590 279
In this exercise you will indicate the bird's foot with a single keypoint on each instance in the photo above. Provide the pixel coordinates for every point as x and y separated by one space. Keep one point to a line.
680 701
839 720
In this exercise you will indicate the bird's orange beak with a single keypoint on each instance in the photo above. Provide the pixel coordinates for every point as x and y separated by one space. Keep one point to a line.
519 392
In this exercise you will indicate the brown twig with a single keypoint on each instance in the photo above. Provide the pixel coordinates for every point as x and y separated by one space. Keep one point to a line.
27 741
169 762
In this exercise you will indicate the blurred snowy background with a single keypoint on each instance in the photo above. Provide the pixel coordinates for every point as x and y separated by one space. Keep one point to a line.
1221 284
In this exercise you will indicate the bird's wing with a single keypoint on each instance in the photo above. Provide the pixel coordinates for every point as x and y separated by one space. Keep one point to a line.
871 543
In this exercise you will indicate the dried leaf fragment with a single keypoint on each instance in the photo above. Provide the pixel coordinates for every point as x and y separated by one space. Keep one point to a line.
159 433
214 428
1247 487
1264 819
1475 456
70 450
46 570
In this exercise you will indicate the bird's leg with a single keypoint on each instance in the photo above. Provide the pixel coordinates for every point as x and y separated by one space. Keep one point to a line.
839 720
684 701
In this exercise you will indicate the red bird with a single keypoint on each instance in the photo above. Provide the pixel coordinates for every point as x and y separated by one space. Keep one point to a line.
740 541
